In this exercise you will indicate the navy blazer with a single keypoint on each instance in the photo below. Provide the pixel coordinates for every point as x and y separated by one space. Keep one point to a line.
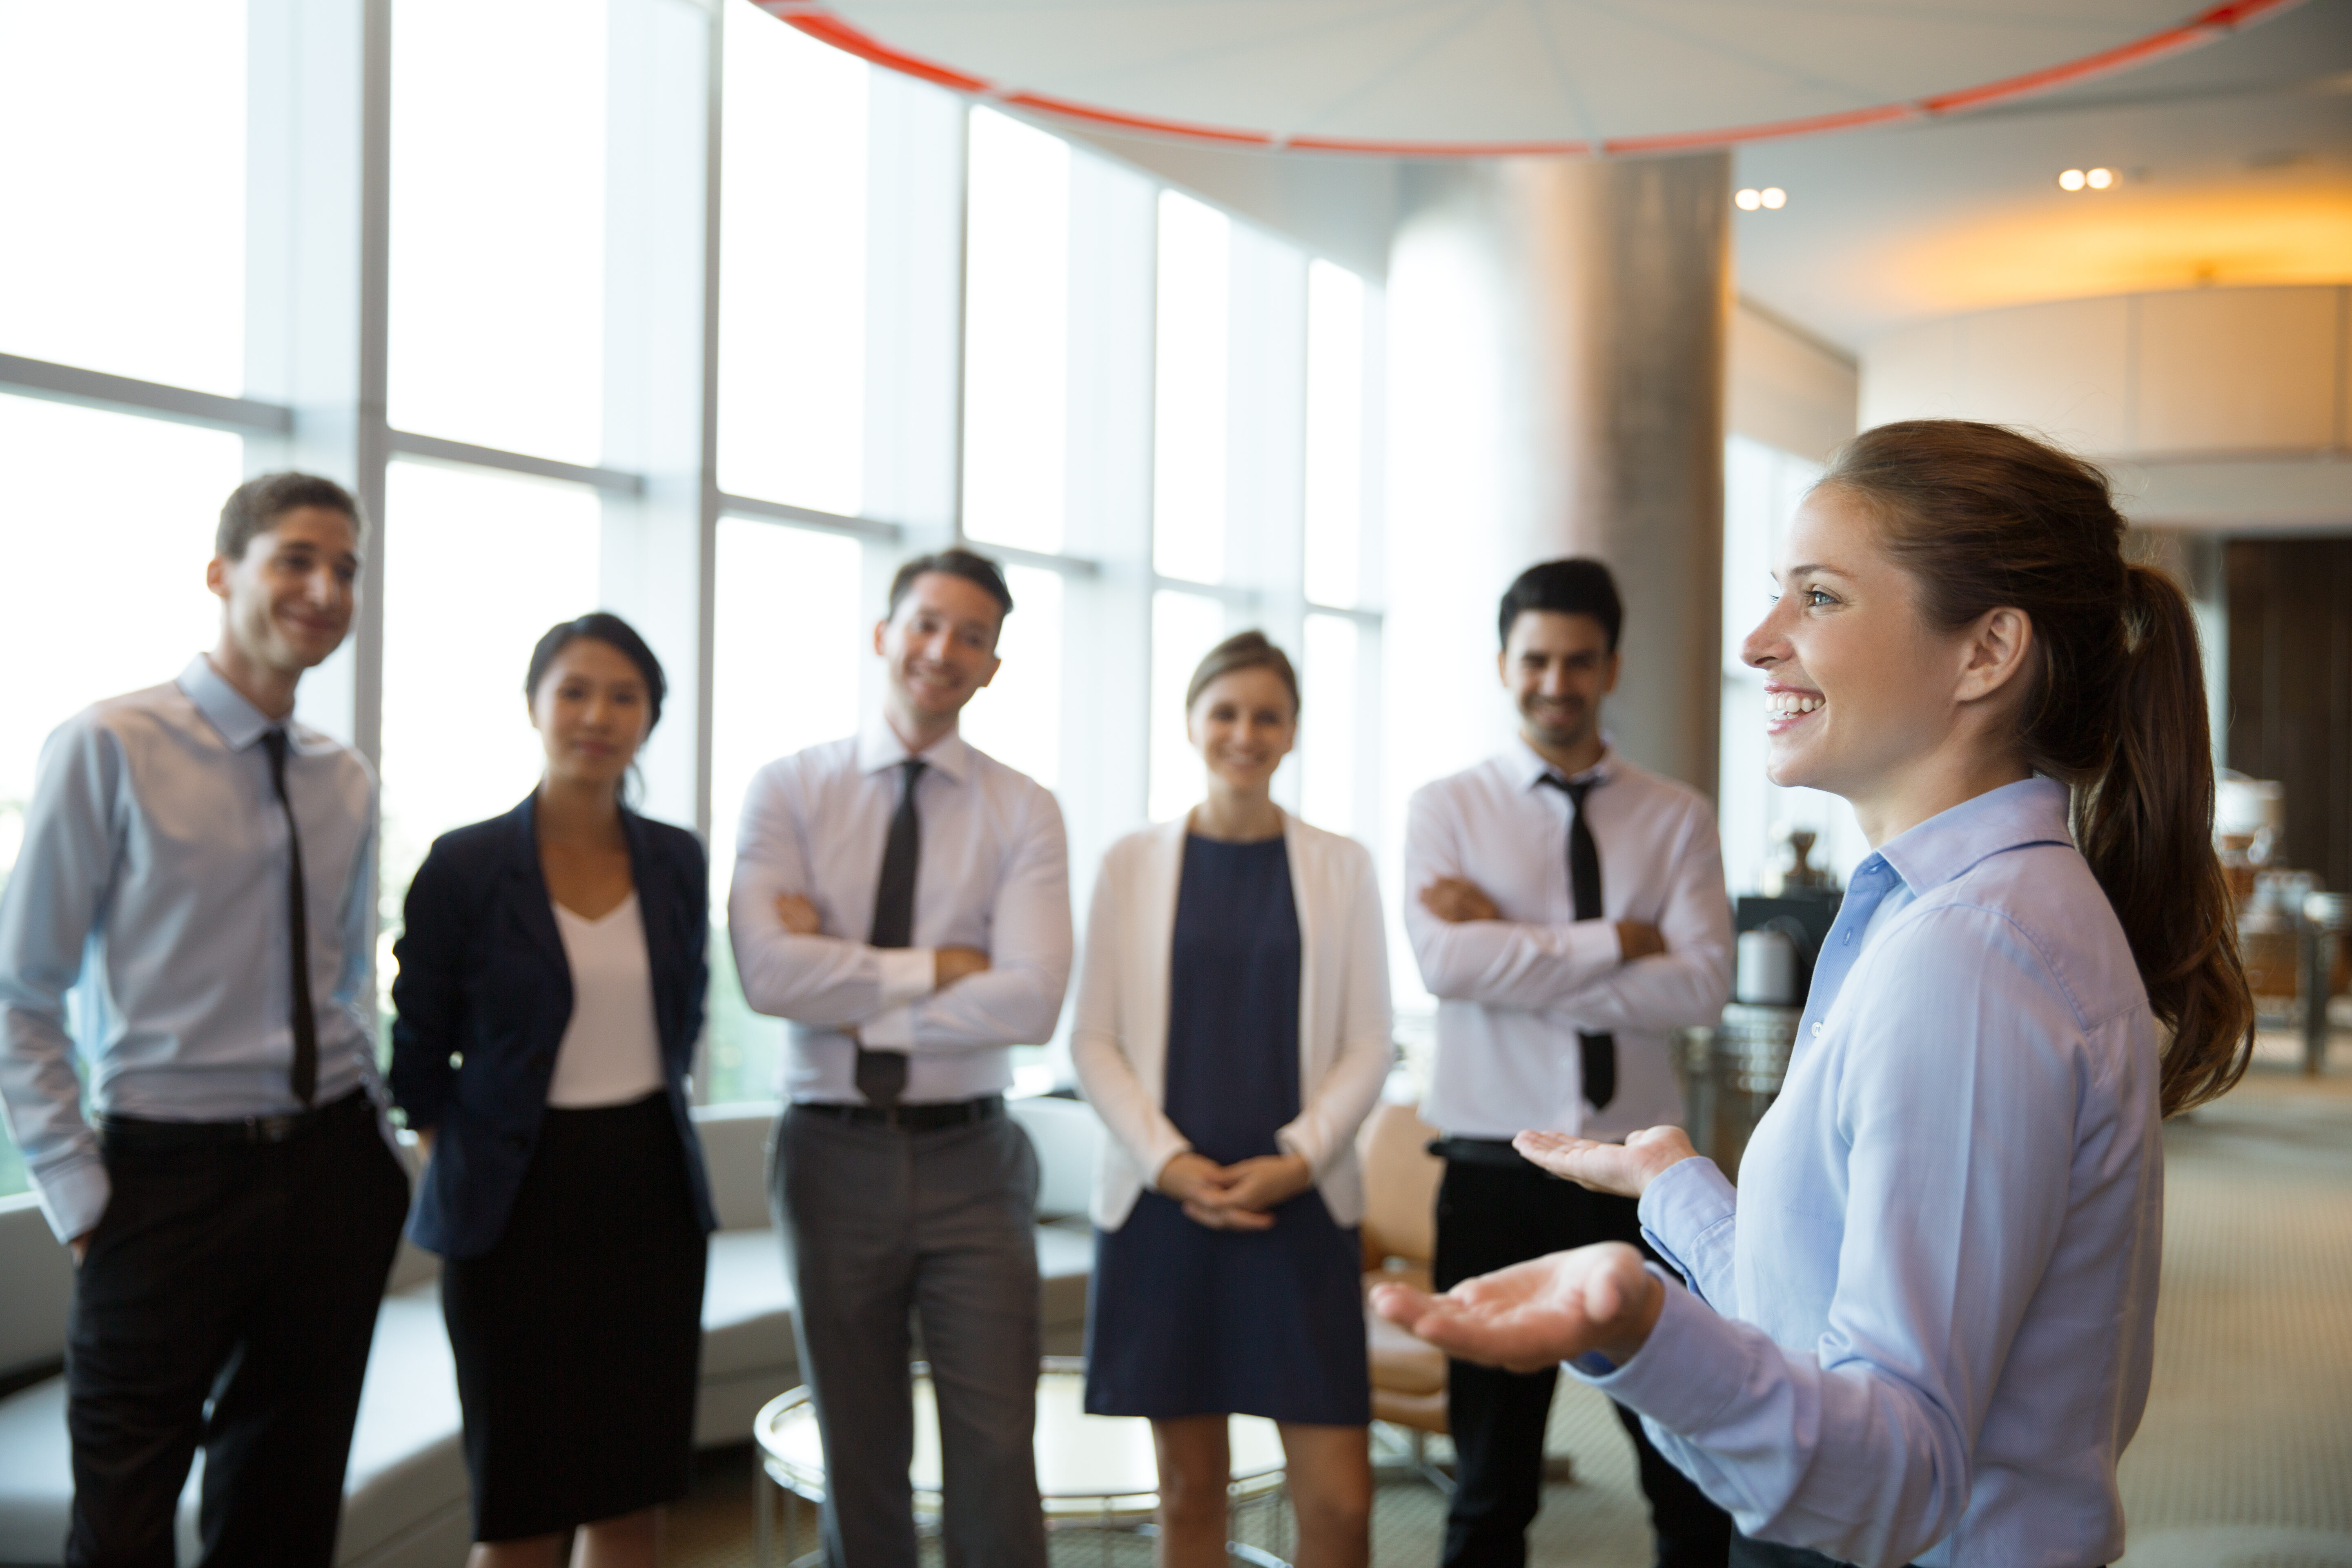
484 995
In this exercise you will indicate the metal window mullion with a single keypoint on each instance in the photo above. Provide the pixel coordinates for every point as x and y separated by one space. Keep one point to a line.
441 449
154 399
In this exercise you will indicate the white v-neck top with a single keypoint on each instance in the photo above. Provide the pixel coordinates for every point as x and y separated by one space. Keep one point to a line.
611 1052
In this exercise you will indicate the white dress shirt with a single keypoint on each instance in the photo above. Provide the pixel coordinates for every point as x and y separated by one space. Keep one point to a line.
1922 1329
151 888
994 874
611 1050
1514 994
1118 1043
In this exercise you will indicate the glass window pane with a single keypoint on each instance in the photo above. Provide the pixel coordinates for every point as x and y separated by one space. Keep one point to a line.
1184 627
498 223
1188 534
792 328
1016 334
1018 719
1335 433
151 523
1327 728
790 640
122 149
478 565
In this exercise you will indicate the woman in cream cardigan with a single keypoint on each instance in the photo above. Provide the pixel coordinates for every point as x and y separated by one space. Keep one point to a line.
1232 1031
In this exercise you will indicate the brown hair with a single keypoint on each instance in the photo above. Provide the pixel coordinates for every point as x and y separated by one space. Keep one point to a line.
1243 650
971 566
255 507
1983 518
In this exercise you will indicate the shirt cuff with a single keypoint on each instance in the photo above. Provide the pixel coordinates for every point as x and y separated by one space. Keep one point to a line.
1682 1204
1690 1367
909 974
74 1197
891 1030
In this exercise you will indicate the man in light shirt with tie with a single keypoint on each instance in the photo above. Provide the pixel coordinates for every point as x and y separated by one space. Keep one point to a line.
198 872
1568 910
904 901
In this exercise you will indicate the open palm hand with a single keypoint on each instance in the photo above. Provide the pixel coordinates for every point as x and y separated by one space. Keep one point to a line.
1537 1314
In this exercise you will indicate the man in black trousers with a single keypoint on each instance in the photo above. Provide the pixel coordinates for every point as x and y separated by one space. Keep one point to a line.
198 870
1568 913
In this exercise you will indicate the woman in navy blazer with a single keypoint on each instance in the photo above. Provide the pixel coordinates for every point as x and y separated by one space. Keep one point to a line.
549 993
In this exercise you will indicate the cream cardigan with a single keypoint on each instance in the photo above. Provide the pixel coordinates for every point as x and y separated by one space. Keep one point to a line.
1119 1040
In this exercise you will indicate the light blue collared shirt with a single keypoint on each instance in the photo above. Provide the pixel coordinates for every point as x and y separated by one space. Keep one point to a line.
1924 1333
146 921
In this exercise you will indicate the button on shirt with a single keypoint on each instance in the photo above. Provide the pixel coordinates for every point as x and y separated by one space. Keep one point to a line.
1923 1332
1514 993
994 874
151 890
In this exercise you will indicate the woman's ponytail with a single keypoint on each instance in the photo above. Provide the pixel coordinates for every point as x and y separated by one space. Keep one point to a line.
2146 829
1984 517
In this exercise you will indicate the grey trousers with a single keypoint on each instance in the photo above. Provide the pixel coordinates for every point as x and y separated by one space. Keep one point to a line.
882 1226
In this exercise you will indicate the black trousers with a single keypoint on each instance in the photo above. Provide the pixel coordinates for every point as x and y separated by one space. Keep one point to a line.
1488 1217
228 1298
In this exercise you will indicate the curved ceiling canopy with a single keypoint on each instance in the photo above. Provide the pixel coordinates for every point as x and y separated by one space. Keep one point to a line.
1481 78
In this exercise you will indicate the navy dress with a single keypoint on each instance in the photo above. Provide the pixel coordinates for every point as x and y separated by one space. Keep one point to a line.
1186 1320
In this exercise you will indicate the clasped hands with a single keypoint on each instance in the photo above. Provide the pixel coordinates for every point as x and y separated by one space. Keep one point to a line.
949 964
1554 1309
1238 1197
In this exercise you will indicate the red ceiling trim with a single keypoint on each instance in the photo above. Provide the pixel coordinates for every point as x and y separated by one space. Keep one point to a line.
812 17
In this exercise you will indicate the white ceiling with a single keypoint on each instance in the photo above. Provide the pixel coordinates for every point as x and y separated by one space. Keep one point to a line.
2237 164
1485 72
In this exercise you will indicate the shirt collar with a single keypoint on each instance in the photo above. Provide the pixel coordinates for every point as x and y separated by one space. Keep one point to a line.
226 708
1528 766
878 747
2031 811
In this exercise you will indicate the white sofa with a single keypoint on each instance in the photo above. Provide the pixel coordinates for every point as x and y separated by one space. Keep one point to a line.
404 1495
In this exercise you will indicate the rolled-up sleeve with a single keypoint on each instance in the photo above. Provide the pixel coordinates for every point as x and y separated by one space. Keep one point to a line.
54 897
1954 1107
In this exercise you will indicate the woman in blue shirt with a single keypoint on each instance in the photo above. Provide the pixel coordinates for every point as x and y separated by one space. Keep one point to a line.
1922 1330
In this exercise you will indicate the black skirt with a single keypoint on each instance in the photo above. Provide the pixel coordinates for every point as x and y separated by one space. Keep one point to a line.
578 1337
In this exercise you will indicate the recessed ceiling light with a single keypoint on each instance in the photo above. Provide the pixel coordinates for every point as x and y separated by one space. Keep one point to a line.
2100 179
1748 201
1774 196
2072 180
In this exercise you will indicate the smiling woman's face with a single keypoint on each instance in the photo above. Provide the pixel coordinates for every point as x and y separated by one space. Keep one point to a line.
1858 687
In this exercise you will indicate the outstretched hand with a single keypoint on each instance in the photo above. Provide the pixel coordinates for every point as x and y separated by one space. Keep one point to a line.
1625 1169
1537 1314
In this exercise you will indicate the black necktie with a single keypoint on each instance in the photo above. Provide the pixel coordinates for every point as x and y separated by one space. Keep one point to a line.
1600 1051
882 1075
305 1077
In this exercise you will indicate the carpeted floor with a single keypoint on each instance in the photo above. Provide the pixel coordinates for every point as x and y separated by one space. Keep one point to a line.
2244 1460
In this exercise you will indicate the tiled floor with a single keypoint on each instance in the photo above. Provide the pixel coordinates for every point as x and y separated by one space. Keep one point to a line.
2244 1460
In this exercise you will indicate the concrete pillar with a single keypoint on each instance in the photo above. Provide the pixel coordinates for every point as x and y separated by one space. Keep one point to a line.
1556 336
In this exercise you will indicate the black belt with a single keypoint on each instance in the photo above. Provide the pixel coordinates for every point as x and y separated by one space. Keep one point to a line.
133 1134
924 1118
1496 1154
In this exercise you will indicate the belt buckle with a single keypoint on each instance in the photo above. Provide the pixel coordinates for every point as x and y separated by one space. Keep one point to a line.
893 1117
270 1129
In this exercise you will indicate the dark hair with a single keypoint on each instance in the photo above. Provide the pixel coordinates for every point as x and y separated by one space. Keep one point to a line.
255 507
970 565
1577 585
1984 518
1243 650
612 631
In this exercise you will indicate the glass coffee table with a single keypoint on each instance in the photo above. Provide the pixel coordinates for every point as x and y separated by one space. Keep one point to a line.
1095 1473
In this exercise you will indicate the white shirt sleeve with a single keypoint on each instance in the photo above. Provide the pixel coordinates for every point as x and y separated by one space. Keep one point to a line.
1521 965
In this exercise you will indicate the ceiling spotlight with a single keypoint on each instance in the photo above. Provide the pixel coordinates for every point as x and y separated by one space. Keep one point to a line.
1774 196
1748 201
2100 179
2072 180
